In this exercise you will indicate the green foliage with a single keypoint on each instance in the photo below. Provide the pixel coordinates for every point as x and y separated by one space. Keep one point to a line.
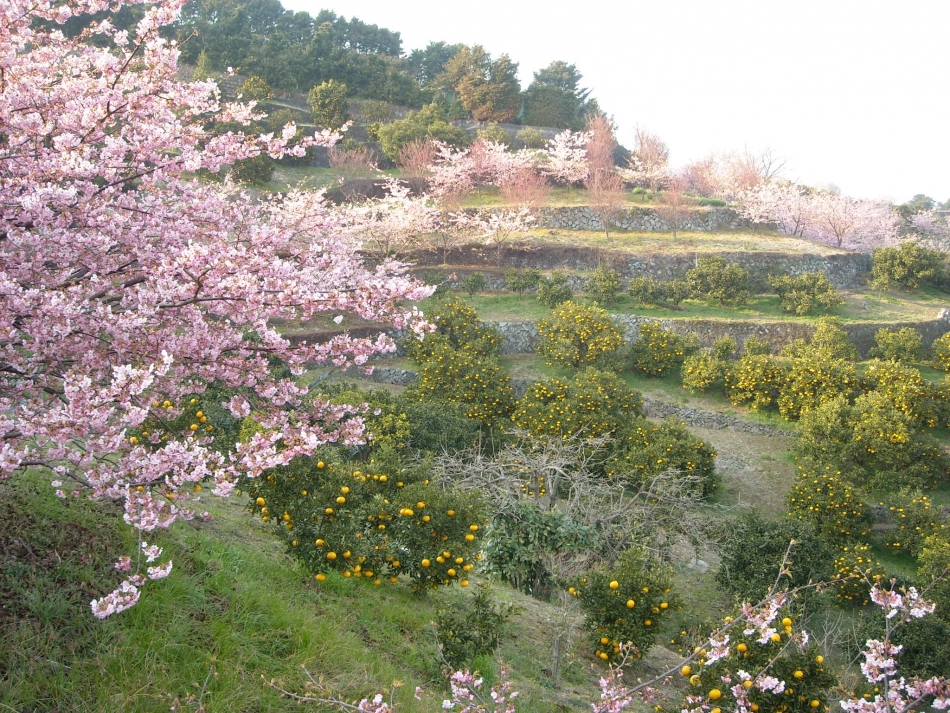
670 294
430 121
857 569
880 446
487 87
916 519
812 380
255 170
595 402
553 290
556 99
753 346
756 381
717 279
703 372
660 351
809 685
468 378
521 281
576 335
471 628
806 293
473 284
495 134
903 344
753 554
328 105
457 326
632 610
941 352
823 499
436 425
531 138
254 89
376 112
724 347
829 341
643 449
203 68
933 564
910 266
525 538
603 285
381 523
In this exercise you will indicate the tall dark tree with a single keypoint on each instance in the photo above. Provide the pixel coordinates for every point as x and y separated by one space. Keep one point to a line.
429 63
555 98
488 88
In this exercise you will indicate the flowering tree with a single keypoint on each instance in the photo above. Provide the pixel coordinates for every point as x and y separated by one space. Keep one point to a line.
565 158
393 224
127 289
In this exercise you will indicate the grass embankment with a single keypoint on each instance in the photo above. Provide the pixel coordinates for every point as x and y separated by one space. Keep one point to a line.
234 612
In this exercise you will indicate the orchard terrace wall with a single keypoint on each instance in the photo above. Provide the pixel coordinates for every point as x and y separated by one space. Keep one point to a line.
844 270
522 337
647 219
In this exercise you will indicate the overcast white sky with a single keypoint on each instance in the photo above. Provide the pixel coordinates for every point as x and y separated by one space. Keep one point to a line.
851 92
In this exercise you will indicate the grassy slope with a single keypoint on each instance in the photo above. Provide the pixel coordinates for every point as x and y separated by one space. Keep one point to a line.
234 607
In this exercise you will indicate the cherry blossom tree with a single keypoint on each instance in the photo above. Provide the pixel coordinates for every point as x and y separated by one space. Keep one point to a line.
565 158
392 225
648 165
127 289
605 188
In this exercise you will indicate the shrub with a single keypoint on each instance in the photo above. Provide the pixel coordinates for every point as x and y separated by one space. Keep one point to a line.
724 347
812 380
753 554
495 134
858 571
645 291
430 122
828 341
904 344
806 293
932 566
880 445
595 402
468 378
905 388
472 628
524 540
717 279
703 372
436 425
603 285
659 351
473 284
753 346
378 521
576 335
458 327
755 380
910 265
916 519
643 449
824 500
553 290
941 352
626 602
531 138
521 281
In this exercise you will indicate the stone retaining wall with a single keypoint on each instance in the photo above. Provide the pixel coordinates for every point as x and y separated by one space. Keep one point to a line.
647 219
522 337
844 270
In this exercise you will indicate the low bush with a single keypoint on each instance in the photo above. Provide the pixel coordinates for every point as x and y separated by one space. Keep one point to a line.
806 293
521 281
756 381
659 351
719 280
829 341
553 290
703 372
626 603
576 335
646 291
753 346
910 265
594 402
457 327
471 628
473 284
822 499
603 285
903 344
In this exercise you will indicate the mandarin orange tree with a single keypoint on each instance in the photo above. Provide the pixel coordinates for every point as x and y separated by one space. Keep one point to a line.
456 325
380 520
625 602
823 498
811 380
594 402
576 335
659 351
756 380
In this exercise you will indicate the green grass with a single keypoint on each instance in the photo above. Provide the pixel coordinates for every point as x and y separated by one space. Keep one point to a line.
860 306
235 611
